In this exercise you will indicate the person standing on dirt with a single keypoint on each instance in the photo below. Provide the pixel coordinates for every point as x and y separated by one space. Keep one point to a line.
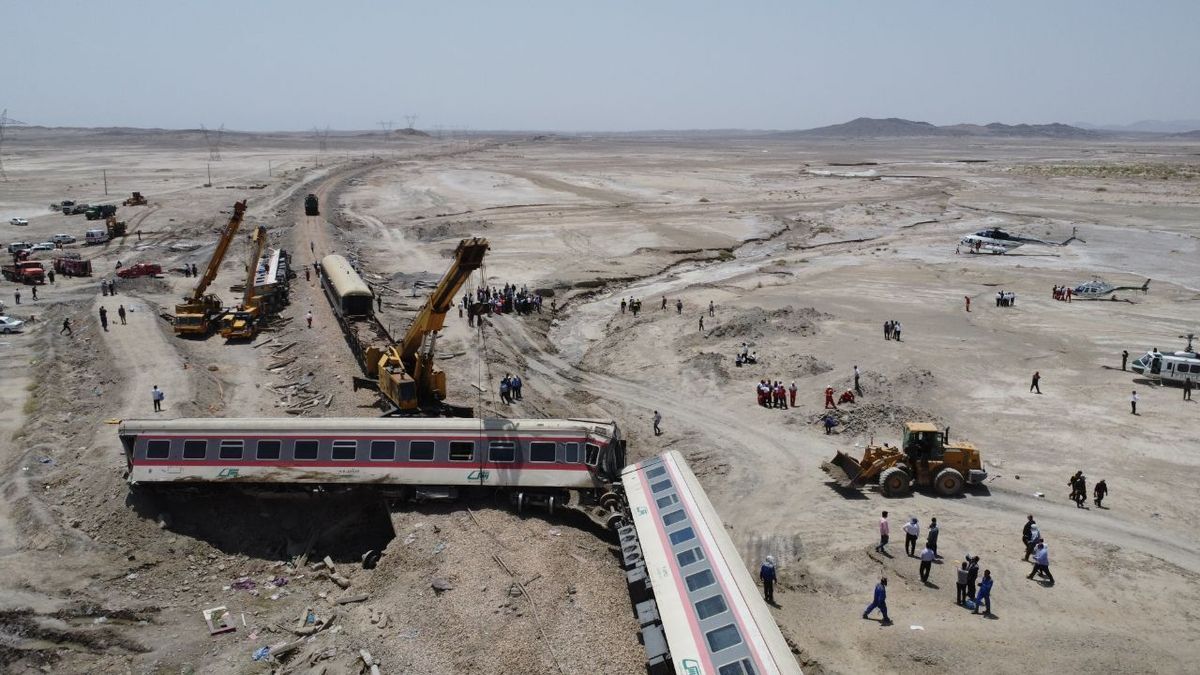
121 313
1133 399
830 422
1080 490
884 530
50 276
712 310
857 389
657 420
1034 386
701 323
664 302
960 585
887 330
985 594
17 296
34 290
1099 492
896 331
1124 358
505 390
104 319
66 328
308 316
972 562
515 384
623 305
1029 536
829 399
157 396
927 556
792 393
767 574
678 306
932 538
879 602
1041 561
967 298
1187 389
912 530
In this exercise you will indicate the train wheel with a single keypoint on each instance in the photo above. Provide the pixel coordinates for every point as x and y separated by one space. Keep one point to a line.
550 505
610 501
520 503
614 522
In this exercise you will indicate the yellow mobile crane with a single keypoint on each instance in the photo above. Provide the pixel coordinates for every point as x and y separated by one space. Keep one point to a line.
242 322
405 373
199 313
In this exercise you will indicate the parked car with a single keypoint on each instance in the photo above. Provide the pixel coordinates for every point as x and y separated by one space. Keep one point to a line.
44 246
139 270
18 246
63 239
18 221
10 325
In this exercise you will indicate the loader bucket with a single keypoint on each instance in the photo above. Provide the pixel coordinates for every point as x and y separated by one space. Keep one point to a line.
843 468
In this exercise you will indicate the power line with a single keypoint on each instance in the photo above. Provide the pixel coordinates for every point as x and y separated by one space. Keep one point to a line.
5 121
409 121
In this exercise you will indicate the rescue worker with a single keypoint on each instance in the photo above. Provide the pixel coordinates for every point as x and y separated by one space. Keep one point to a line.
792 393
879 602
767 574
1099 492
985 594
829 399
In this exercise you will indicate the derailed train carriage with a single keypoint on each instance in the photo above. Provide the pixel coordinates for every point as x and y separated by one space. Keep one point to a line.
553 463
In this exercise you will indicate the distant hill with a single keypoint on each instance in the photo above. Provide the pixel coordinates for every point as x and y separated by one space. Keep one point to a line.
1147 126
1195 134
867 127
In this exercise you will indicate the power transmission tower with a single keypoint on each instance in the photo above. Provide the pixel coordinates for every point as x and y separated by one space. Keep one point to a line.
387 128
213 139
322 136
409 121
5 121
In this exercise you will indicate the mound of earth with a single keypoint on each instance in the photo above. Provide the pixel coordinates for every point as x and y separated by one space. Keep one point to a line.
756 322
457 229
711 365
879 419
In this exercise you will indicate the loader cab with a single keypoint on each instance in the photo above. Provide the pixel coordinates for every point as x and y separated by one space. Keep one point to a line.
924 441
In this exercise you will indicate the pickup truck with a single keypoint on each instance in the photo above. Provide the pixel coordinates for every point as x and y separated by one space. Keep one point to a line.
140 270
25 272
18 221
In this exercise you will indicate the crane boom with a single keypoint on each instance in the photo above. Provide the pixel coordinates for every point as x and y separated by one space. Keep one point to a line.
214 263
405 372
242 322
258 241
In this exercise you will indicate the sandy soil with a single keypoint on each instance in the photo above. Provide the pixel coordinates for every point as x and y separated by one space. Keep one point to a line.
804 267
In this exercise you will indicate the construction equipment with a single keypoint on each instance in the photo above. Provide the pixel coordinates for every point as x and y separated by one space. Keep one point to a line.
115 228
405 372
99 211
199 313
136 200
28 272
311 206
924 459
241 323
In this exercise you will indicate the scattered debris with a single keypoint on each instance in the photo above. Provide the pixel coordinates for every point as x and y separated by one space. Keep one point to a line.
219 620
347 599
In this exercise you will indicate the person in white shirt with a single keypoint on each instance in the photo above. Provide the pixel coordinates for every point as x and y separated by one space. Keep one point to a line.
912 530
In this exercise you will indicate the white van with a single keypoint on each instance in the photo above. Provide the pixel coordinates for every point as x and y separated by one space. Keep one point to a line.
95 237
19 246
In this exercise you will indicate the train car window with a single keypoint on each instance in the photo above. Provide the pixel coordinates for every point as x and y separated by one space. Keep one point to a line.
502 451
195 449
345 450
383 451
655 472
591 454
571 453
692 555
723 638
268 450
542 452
230 450
664 502
673 517
660 486
305 450
158 449
743 667
462 451
710 607
680 536
420 451
701 579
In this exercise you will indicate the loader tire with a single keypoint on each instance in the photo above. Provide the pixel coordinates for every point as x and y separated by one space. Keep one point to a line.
949 482
894 482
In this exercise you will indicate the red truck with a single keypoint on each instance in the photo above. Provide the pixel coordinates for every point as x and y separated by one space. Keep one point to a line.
25 272
73 266
140 270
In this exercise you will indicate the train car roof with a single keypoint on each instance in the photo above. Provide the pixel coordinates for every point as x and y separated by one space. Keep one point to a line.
287 425
343 277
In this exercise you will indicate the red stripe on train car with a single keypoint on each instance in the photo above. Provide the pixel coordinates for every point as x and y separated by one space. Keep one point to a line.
381 464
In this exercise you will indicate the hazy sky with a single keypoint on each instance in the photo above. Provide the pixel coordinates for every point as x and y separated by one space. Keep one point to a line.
598 65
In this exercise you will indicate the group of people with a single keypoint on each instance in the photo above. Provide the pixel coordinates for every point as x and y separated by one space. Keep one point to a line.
634 305
506 299
510 388
1035 546
745 356
189 270
1078 485
108 287
1006 299
772 394
891 330
1062 293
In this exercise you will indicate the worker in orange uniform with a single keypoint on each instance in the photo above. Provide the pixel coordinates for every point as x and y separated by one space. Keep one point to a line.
829 399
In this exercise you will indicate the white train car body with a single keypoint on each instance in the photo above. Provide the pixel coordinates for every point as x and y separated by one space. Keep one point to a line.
707 606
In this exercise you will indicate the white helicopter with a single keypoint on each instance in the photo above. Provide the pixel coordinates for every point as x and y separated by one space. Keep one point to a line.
1170 368
997 241
1098 288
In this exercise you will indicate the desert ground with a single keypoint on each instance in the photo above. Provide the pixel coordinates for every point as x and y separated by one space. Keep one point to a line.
804 247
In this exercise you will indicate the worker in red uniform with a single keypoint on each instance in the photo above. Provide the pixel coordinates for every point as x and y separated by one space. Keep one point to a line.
792 393
829 399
